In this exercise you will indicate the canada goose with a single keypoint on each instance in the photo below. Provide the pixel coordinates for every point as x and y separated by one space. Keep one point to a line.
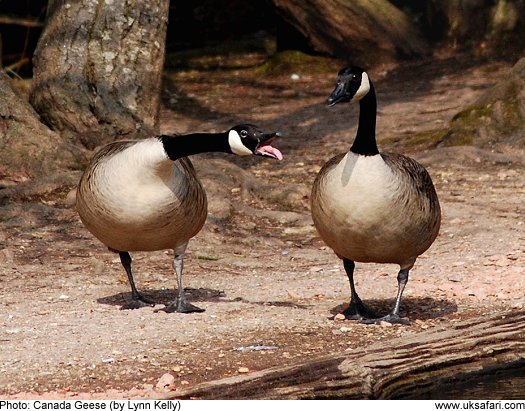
145 195
373 207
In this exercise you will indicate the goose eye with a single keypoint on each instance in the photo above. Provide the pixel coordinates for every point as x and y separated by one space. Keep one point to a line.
244 133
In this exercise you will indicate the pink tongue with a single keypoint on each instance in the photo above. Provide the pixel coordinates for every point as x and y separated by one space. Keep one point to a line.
271 151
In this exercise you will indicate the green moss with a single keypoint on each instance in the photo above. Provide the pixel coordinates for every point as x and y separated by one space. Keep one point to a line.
426 138
500 119
292 61
473 114
459 138
513 117
207 257
465 125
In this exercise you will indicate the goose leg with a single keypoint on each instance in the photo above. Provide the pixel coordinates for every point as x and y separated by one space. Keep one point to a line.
356 310
137 300
181 304
393 317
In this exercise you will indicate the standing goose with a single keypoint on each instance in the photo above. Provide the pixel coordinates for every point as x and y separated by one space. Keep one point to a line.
370 206
145 195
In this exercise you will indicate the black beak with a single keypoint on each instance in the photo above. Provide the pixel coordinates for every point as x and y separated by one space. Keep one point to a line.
337 95
269 137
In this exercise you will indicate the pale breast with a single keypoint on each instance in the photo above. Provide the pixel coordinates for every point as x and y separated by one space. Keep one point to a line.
131 202
367 212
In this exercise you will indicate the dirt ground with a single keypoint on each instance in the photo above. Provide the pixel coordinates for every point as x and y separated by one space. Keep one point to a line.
267 282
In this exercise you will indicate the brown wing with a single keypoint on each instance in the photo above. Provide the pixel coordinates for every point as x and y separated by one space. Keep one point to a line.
414 175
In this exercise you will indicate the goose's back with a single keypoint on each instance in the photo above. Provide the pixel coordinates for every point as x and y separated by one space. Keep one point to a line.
381 208
133 198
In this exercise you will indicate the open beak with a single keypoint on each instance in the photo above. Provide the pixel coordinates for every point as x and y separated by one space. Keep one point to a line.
264 148
337 95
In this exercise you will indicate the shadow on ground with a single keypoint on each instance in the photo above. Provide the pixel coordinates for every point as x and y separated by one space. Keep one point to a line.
194 295
414 308
165 296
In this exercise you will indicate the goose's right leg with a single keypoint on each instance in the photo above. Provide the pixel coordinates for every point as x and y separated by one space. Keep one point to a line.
181 304
356 310
137 300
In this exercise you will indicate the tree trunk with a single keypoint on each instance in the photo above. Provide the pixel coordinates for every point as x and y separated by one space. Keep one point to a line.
407 367
27 147
506 26
366 32
473 24
98 68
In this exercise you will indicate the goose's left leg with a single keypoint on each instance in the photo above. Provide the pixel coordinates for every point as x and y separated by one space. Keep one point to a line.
393 317
181 304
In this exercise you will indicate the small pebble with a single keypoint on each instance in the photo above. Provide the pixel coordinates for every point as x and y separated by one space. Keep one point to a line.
6 256
455 278
71 199
165 381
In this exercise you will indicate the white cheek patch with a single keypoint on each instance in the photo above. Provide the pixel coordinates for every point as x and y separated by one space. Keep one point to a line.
363 88
234 140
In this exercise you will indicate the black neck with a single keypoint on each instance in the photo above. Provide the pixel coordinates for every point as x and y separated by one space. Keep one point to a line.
188 144
365 139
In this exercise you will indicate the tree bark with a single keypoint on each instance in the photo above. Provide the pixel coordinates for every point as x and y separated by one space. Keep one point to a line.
406 367
506 25
98 68
363 31
27 147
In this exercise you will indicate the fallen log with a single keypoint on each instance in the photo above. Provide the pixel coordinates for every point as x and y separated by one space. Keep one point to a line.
404 367
363 32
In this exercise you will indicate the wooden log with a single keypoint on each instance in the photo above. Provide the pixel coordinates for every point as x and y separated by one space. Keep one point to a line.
404 367
363 32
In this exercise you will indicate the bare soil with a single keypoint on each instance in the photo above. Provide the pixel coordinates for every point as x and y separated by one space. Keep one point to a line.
266 280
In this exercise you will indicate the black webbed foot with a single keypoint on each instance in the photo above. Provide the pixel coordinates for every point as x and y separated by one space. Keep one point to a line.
358 311
137 301
181 306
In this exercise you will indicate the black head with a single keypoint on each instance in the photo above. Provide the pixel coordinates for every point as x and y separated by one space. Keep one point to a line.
352 84
248 139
